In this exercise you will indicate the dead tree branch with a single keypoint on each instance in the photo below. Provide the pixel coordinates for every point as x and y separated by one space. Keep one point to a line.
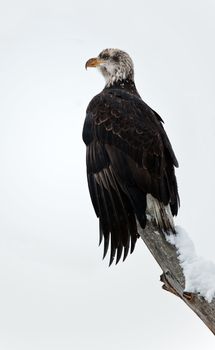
173 279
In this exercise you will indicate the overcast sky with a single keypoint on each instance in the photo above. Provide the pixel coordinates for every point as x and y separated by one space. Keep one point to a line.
55 291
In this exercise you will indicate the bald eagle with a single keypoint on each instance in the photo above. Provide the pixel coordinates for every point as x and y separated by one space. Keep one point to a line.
130 161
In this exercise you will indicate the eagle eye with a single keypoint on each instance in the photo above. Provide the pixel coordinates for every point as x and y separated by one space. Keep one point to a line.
116 58
104 56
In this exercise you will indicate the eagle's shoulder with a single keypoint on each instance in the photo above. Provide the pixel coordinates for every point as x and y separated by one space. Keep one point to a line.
121 118
118 100
118 111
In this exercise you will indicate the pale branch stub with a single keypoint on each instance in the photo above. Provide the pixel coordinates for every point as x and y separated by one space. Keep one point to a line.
173 278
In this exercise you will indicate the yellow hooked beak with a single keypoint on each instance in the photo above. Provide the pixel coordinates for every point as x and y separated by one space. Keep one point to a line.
93 62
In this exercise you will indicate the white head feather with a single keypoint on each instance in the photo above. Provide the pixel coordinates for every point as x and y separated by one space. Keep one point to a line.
116 65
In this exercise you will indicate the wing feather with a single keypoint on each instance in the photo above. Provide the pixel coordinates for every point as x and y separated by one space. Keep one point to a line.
117 220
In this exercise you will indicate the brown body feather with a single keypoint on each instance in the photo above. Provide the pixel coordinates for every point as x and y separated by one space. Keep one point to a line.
128 156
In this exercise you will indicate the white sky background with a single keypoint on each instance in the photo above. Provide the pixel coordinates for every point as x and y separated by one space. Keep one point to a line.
55 291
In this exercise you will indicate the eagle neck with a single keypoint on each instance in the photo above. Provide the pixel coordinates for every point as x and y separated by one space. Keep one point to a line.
126 84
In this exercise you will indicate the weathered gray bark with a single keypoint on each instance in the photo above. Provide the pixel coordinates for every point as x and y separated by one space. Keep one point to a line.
166 256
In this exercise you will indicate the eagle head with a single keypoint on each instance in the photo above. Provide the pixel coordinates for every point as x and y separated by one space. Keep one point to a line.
114 64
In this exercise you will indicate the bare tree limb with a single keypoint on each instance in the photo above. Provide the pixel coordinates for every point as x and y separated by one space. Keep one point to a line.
173 278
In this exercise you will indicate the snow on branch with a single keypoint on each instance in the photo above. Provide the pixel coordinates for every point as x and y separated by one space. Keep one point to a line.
186 275
199 273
